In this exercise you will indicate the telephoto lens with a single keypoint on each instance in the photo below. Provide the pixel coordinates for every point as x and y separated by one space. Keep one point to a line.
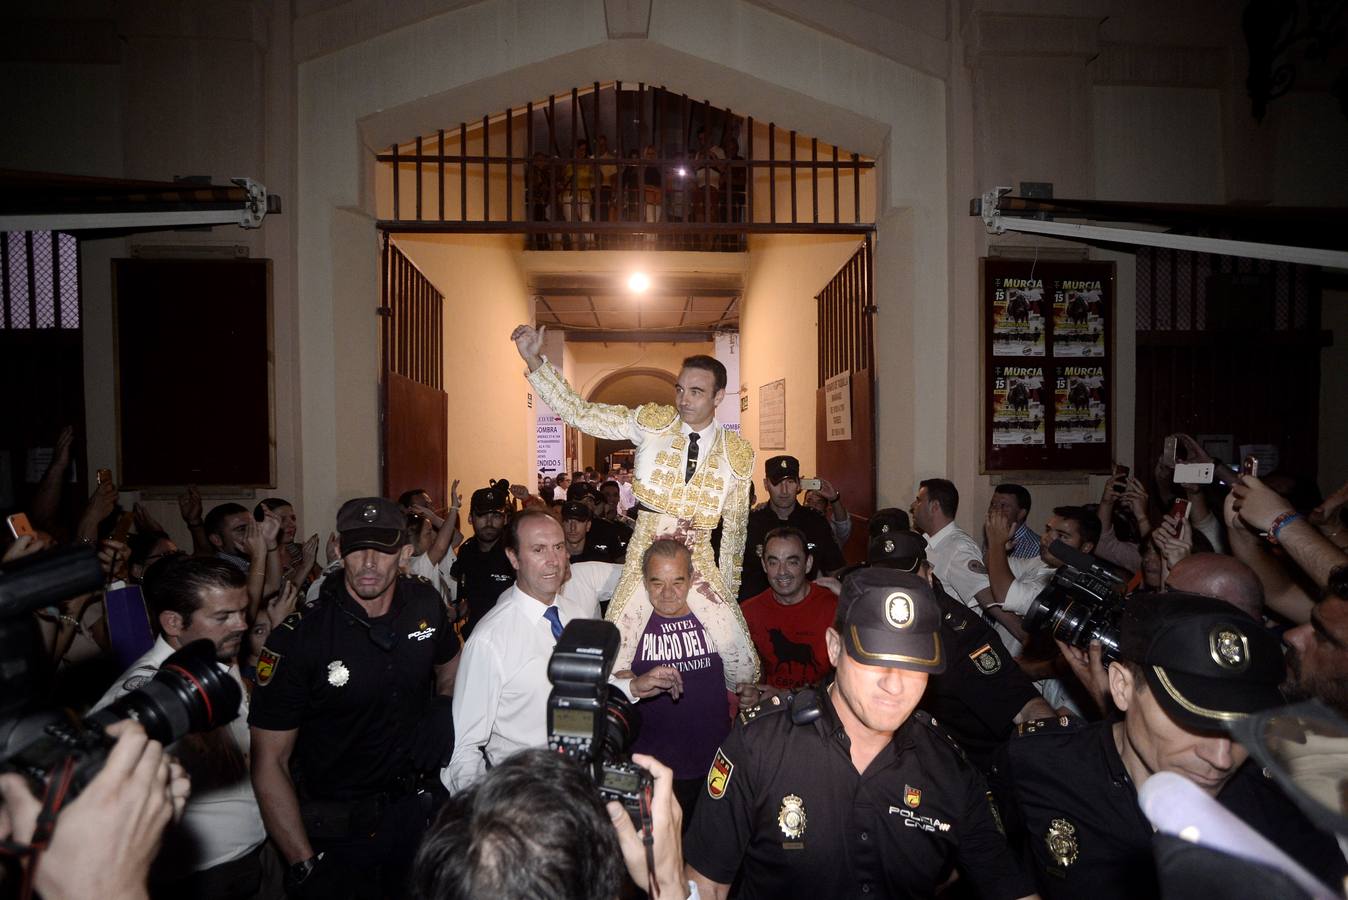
190 693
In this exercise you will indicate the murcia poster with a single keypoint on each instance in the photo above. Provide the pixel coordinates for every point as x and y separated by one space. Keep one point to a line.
1017 316
1079 400
1017 406
1078 318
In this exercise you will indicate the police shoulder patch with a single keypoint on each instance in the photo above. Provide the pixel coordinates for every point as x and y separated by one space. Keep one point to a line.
267 661
290 621
976 566
718 776
656 416
986 660
753 713
1048 725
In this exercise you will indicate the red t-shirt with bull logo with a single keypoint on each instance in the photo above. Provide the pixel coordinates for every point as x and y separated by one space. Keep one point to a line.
790 639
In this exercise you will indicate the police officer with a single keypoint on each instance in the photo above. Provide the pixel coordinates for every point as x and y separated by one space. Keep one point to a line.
1189 665
482 570
982 694
847 791
782 483
352 707
577 521
605 541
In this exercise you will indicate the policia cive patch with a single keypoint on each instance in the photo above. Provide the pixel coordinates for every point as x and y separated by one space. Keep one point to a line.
986 660
718 777
267 661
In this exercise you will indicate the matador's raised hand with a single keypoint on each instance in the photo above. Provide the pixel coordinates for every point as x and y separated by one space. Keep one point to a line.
529 342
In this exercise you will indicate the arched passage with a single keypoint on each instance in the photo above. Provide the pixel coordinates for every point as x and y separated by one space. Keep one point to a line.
626 387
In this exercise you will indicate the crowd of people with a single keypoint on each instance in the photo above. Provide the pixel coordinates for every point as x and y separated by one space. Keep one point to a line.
901 724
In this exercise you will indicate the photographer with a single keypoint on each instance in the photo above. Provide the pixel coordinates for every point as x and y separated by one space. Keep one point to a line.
220 849
534 827
104 841
1188 666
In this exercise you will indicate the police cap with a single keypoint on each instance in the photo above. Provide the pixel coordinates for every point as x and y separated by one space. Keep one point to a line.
371 522
890 618
781 467
487 500
901 550
1207 662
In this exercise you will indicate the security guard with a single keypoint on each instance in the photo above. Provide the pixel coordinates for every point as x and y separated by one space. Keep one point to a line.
482 569
782 483
352 707
1189 666
846 791
982 694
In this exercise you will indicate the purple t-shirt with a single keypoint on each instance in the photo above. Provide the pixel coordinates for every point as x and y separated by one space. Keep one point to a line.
683 735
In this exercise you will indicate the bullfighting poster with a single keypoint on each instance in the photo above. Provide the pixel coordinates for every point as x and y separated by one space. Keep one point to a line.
1078 318
1017 316
1017 406
1079 406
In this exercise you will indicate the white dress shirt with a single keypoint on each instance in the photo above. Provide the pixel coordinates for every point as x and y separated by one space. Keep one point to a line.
956 559
222 822
501 692
438 575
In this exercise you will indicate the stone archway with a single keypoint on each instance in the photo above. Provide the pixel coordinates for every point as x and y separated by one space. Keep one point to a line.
626 387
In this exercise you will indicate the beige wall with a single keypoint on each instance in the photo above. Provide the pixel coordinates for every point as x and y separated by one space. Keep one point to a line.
485 298
779 333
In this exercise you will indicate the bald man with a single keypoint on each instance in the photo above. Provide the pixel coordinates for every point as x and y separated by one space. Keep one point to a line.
1220 576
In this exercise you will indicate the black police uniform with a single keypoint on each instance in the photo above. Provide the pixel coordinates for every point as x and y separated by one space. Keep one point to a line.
1071 811
608 539
356 707
977 697
819 543
787 811
482 578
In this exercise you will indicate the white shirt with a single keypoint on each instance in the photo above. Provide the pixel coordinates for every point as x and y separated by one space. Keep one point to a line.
627 498
958 561
559 493
221 823
592 583
1031 577
501 692
437 575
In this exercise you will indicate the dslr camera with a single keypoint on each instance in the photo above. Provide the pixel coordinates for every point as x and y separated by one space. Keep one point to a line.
590 720
1082 603
189 693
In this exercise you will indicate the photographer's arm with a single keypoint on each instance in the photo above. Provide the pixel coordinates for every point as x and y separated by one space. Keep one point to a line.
1010 621
275 791
1261 508
1282 594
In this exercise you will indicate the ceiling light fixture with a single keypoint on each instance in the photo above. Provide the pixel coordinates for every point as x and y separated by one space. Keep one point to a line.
638 283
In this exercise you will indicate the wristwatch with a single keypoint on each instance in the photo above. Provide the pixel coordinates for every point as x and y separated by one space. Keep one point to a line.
302 869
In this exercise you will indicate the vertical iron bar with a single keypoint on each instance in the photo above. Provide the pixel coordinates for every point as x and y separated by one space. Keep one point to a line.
555 151
596 186
463 171
835 184
814 178
575 163
383 306
486 169
510 164
726 177
440 171
395 183
4 280
530 201
793 177
56 279
32 281
418 171
856 188
749 173
772 173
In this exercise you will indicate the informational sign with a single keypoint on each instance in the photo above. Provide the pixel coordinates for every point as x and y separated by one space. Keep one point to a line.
1018 405
838 407
551 440
772 415
1018 316
728 354
1080 405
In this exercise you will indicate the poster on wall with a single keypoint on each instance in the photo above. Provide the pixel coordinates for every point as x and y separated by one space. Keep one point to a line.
1078 317
550 441
772 415
1017 316
1080 401
1017 406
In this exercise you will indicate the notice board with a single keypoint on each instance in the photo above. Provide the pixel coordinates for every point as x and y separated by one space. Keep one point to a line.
1048 337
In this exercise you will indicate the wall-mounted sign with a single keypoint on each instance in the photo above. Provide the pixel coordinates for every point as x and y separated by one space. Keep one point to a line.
772 415
838 407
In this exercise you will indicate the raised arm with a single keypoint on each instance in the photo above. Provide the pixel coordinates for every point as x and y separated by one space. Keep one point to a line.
615 423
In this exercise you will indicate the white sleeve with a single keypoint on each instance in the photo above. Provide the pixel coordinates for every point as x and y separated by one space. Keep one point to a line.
967 574
1212 530
1022 591
477 695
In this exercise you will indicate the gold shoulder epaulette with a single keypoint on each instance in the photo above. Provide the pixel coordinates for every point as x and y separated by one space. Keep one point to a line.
740 453
656 416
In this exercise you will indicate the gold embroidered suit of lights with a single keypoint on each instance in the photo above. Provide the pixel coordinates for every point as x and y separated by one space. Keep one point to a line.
718 493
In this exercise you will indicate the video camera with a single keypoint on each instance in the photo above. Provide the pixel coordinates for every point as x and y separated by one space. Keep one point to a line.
189 693
591 721
1082 603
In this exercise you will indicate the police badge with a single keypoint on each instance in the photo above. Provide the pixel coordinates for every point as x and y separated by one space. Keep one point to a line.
791 817
986 660
1062 842
338 673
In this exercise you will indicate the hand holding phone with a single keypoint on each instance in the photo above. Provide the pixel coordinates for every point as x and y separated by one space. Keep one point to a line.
19 526
809 484
1120 478
1250 466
